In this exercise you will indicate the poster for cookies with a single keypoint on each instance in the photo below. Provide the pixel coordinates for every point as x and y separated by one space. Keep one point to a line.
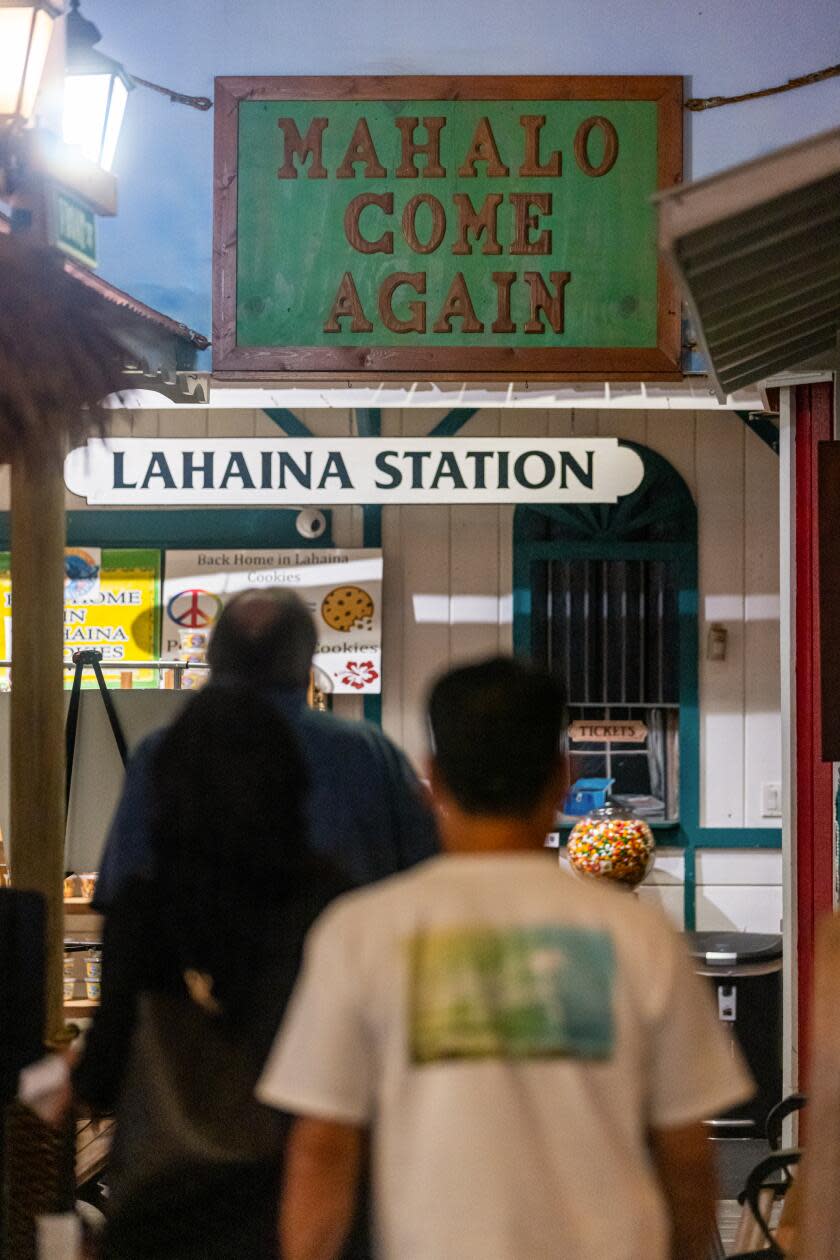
342 588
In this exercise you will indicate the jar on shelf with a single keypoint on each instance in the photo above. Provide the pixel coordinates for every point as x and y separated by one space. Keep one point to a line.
87 884
613 843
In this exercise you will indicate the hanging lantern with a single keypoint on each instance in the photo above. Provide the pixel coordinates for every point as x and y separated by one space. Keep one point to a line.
25 33
96 89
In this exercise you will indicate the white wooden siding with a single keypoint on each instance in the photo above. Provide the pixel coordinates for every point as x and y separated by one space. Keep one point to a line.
464 569
448 573
448 597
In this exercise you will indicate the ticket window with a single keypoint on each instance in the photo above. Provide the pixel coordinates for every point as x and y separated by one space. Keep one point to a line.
610 629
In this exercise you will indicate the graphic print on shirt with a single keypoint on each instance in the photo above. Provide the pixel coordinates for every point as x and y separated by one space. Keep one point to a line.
511 993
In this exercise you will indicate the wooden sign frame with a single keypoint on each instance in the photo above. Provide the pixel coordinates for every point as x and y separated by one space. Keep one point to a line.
477 363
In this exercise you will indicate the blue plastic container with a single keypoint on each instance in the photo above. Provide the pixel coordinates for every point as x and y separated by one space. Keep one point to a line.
586 795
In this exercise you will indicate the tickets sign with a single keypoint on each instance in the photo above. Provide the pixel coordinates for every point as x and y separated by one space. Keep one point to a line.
111 601
342 588
607 731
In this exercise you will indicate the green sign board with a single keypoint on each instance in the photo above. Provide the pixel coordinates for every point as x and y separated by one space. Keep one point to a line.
73 228
444 227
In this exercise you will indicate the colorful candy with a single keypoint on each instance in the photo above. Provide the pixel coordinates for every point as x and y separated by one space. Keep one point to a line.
610 845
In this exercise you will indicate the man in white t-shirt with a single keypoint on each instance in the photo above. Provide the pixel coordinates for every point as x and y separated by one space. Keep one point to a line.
530 1054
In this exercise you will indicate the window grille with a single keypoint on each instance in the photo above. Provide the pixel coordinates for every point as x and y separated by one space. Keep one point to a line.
610 629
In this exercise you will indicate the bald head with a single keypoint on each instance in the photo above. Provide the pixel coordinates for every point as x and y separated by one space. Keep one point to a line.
264 637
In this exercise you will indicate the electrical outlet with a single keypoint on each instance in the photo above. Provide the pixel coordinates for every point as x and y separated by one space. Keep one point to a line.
771 800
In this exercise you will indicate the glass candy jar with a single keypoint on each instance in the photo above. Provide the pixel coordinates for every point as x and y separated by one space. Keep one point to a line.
612 843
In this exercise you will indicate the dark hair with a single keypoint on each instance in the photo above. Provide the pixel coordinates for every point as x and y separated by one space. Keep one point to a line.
264 636
228 786
496 731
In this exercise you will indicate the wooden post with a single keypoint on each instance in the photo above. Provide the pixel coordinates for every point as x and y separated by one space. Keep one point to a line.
821 1165
37 703
814 795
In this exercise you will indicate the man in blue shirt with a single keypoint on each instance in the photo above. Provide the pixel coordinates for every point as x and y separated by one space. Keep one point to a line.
366 808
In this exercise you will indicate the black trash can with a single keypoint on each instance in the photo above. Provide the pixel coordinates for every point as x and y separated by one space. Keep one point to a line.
745 972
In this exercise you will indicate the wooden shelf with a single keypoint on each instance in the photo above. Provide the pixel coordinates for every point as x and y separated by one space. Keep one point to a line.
80 1011
78 905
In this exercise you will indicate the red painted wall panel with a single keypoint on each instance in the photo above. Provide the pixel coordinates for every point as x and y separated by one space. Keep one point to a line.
814 795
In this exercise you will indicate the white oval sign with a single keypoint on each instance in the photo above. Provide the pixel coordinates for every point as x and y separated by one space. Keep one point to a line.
242 471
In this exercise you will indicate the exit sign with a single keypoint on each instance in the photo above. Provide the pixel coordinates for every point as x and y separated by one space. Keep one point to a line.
73 228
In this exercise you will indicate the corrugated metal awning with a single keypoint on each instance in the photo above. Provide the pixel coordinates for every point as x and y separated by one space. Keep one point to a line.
757 249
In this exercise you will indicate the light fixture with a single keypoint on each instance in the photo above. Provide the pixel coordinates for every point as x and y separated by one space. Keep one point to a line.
96 89
25 32
717 643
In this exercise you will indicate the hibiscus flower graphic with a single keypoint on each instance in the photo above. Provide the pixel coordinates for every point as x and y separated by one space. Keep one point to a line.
359 674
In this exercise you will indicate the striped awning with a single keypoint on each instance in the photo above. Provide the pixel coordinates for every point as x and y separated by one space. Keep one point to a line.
757 249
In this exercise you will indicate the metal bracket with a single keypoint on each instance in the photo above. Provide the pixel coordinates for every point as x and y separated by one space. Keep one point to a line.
763 426
193 387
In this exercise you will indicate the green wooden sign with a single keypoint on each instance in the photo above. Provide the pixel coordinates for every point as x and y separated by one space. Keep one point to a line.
429 227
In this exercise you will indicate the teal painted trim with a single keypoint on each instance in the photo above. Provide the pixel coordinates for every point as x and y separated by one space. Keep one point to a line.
369 424
667 835
689 889
372 537
738 838
689 690
522 644
288 422
601 550
368 421
186 528
453 422
372 525
673 836
373 709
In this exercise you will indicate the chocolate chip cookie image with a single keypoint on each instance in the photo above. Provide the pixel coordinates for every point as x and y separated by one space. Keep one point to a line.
348 608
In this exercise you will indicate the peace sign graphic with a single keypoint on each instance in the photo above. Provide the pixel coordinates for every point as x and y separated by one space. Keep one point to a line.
194 609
